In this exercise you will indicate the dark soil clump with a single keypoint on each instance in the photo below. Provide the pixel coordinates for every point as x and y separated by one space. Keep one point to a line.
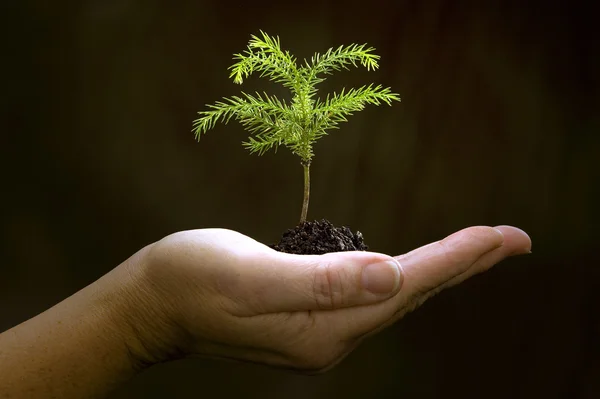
319 237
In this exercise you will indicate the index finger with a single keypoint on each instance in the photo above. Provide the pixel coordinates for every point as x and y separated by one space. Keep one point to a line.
445 263
433 267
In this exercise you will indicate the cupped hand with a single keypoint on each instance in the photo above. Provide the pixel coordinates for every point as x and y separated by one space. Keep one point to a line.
218 293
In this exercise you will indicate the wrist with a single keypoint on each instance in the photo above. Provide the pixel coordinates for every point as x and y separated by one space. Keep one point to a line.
87 344
140 313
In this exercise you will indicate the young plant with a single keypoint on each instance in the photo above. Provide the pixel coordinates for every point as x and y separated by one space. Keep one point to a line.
297 125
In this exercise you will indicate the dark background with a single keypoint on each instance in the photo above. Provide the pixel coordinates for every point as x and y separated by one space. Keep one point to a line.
498 125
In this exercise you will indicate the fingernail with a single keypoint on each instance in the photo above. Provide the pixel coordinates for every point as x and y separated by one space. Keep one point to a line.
524 251
382 277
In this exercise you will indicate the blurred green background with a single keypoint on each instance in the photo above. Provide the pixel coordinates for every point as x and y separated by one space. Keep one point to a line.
498 124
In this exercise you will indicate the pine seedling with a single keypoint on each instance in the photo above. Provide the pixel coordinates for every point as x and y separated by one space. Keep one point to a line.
297 124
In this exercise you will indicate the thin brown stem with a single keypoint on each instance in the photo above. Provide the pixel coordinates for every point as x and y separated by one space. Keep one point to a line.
306 166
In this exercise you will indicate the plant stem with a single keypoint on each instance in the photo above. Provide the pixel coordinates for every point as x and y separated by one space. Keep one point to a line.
306 166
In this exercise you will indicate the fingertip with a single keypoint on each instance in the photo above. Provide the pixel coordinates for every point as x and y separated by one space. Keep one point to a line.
518 240
513 230
490 237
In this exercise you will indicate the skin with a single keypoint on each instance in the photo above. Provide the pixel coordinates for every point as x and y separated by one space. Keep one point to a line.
217 293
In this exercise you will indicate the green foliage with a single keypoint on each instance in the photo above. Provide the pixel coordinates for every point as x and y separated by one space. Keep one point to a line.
297 125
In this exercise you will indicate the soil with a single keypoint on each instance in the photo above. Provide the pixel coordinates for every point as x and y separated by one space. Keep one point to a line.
319 237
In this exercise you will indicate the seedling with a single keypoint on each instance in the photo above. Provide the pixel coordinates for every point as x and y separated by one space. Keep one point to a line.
298 124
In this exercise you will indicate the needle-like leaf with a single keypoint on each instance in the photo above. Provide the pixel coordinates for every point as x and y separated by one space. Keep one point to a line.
298 124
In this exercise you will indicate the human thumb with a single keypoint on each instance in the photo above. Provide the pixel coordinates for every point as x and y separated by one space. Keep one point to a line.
329 281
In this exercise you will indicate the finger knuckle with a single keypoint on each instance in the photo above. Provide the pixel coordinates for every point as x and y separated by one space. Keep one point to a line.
449 253
328 287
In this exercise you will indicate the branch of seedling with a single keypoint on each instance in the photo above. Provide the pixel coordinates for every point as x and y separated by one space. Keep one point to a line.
298 125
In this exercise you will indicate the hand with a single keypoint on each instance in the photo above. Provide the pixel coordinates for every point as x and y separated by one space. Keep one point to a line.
218 293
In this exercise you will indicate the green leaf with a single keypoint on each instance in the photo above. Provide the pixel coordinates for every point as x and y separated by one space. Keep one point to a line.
272 122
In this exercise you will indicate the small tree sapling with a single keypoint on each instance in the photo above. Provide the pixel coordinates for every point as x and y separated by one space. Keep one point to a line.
298 124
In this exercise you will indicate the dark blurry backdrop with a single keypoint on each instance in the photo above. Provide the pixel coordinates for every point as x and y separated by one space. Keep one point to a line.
498 124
